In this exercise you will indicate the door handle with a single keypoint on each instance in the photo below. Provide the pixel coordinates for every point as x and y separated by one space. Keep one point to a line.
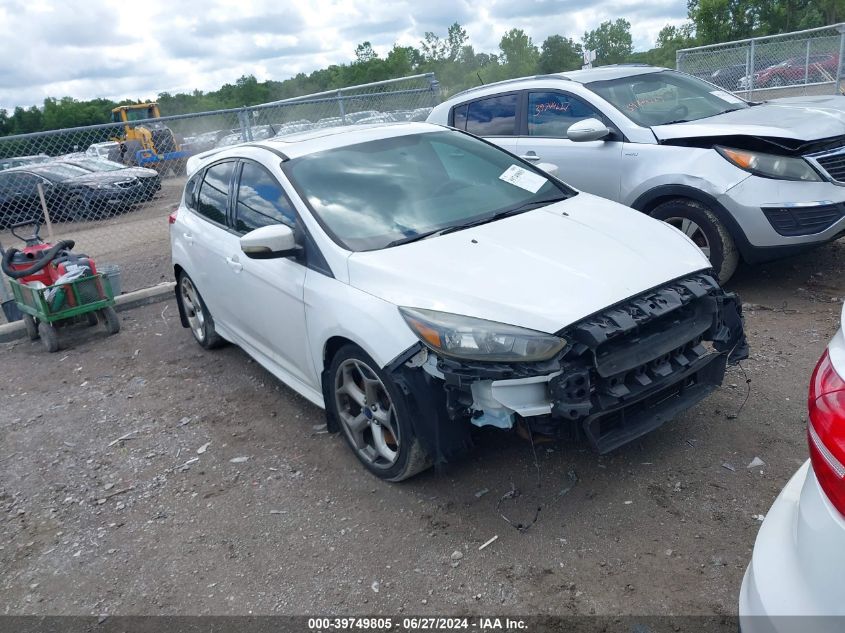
234 264
189 238
530 156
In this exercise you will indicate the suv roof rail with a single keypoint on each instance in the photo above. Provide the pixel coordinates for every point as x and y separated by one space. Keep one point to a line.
510 81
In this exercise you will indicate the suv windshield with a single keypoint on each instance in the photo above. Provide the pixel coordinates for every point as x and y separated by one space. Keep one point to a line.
665 97
380 193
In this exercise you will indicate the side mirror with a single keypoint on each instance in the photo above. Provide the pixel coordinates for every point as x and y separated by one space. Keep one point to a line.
549 168
270 242
587 130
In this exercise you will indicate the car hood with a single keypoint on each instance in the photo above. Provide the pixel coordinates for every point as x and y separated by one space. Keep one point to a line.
543 269
101 178
798 118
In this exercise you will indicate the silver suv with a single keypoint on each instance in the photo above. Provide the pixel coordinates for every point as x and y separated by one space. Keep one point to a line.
745 180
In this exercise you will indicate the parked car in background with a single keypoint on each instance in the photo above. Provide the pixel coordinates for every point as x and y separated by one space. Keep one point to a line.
741 180
442 284
109 150
728 76
149 178
19 161
202 142
354 117
820 67
293 128
71 193
796 567
259 133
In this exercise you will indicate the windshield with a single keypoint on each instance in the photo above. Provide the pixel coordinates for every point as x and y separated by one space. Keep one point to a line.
139 114
665 97
372 194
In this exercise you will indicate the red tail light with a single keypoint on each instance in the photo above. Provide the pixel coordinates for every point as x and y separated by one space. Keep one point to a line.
171 219
826 430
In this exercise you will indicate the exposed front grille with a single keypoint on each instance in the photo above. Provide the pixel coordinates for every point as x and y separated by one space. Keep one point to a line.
832 162
791 221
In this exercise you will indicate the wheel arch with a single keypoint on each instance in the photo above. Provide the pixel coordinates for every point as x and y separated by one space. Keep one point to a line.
651 199
183 318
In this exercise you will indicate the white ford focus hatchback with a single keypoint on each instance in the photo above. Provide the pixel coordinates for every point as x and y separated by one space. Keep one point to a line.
417 281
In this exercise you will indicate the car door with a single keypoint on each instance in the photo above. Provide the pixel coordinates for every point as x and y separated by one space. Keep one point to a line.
269 293
494 118
592 166
208 239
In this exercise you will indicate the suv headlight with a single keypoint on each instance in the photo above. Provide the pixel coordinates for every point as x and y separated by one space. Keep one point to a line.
469 338
770 165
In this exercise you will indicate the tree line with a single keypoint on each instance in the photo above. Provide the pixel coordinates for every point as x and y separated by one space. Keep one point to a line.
458 65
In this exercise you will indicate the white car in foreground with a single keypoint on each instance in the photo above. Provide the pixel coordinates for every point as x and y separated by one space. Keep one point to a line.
798 565
416 281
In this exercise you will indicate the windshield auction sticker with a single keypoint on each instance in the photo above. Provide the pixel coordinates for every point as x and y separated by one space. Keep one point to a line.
523 178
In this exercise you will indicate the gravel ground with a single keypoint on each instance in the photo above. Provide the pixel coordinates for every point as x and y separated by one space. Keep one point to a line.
227 497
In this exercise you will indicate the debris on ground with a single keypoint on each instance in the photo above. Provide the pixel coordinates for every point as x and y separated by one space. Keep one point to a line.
756 463
123 438
729 467
488 542
202 449
238 460
457 555
481 493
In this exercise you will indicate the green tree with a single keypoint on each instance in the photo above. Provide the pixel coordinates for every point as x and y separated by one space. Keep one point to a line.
519 54
611 41
364 52
558 54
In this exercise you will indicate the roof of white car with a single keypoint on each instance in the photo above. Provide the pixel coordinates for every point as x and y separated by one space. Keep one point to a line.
578 76
312 141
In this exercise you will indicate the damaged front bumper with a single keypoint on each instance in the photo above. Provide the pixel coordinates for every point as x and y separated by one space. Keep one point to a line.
625 371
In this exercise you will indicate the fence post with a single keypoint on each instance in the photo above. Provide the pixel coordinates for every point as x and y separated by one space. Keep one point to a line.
807 64
751 54
678 56
341 107
243 120
836 89
434 86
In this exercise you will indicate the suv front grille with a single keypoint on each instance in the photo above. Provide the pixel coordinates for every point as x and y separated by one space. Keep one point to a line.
792 221
832 162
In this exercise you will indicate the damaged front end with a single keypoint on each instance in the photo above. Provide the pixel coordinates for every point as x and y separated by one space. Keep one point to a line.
624 372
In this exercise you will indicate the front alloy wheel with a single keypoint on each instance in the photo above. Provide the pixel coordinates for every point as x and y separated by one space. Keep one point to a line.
374 415
367 414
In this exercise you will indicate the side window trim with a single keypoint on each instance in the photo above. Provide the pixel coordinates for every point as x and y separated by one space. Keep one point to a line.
236 186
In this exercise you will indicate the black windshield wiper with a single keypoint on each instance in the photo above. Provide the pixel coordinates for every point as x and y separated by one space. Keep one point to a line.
413 238
534 204
528 206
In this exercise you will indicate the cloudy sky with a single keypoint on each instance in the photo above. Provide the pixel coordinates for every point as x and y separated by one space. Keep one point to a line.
94 48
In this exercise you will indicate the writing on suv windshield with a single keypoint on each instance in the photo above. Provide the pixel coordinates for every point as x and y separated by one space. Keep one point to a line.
665 97
392 191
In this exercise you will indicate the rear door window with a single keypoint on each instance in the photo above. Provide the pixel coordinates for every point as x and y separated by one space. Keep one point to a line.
213 200
261 200
493 116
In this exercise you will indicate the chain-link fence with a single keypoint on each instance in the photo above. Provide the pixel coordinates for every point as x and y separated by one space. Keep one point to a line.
110 187
792 64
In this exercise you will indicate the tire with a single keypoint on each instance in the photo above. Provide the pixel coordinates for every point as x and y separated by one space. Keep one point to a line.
702 226
91 319
49 337
380 433
31 327
199 318
110 319
777 82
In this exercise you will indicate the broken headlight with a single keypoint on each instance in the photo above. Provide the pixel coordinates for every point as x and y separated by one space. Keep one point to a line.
770 165
478 339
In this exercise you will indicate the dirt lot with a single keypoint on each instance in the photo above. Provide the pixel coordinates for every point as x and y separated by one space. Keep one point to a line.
166 522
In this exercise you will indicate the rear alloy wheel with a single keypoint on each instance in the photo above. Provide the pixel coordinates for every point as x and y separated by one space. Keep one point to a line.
373 416
705 230
199 319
